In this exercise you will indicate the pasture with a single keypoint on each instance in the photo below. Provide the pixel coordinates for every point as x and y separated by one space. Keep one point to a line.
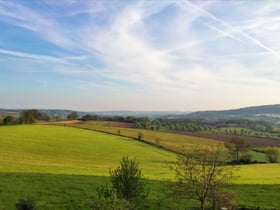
66 150
168 140
61 166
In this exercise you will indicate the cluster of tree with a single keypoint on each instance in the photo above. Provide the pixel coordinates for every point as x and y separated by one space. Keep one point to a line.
235 147
180 124
26 117
10 120
128 119
272 154
72 116
238 145
32 115
258 125
188 124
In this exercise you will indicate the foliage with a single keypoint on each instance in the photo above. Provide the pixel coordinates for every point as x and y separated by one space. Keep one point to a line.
236 146
224 198
26 204
72 116
8 120
140 135
201 174
272 154
29 116
246 158
106 199
128 182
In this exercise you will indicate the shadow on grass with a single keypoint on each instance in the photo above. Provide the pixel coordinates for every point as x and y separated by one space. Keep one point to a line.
55 191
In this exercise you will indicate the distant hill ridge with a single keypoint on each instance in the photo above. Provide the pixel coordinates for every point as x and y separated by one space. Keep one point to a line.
265 112
254 112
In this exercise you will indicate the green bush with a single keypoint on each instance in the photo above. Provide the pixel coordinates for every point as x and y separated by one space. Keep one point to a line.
26 204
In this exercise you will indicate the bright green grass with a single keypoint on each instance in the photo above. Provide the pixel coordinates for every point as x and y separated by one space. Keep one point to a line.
65 150
168 140
259 174
60 192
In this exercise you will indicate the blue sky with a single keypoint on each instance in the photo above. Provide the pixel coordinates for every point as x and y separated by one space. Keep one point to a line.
93 55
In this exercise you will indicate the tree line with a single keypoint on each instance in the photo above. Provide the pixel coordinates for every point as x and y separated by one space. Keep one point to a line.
176 124
186 124
26 117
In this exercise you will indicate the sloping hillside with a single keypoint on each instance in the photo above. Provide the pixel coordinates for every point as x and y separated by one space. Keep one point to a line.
267 112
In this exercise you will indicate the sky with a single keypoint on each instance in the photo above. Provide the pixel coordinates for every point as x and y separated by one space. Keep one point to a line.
98 55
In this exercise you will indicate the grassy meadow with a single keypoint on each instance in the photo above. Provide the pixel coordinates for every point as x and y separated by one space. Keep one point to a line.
66 150
60 167
168 140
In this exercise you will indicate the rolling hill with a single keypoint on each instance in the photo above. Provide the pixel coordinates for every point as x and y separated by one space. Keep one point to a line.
266 112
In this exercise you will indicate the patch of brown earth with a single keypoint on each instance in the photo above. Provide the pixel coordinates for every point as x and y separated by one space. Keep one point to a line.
66 122
254 141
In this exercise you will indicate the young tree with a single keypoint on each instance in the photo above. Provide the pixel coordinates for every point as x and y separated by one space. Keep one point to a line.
201 173
237 145
128 182
106 199
272 154
140 135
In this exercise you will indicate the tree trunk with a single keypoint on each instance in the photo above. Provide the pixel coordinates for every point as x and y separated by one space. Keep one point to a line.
202 204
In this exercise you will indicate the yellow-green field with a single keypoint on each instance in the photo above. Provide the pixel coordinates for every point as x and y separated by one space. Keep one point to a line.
66 150
259 174
171 141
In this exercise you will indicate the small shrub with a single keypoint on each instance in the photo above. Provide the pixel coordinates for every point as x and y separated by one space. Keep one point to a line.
128 182
246 158
26 204
140 135
106 199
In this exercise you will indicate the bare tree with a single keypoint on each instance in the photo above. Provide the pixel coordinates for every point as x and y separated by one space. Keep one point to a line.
237 145
201 173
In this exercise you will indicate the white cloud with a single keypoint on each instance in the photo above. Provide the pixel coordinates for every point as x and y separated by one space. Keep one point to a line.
173 50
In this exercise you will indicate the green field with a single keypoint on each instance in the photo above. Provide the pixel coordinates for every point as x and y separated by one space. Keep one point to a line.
60 167
65 150
171 141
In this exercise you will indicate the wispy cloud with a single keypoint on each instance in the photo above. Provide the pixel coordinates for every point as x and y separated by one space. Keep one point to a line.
32 56
40 23
158 50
